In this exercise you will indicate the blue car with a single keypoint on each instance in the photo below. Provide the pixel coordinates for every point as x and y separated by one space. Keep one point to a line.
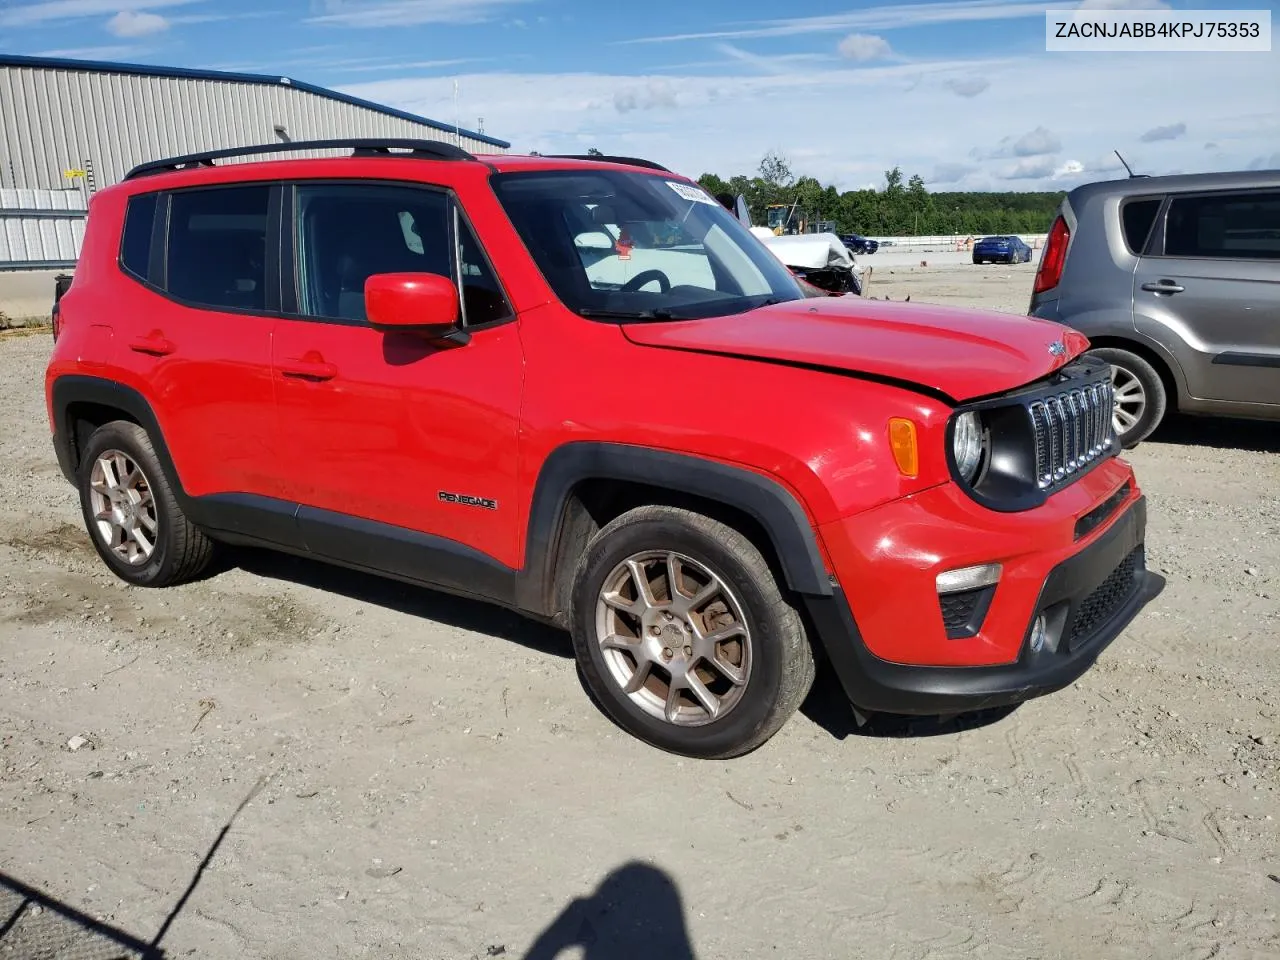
1001 250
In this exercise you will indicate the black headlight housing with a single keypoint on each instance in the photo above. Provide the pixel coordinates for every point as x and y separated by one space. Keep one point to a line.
1037 439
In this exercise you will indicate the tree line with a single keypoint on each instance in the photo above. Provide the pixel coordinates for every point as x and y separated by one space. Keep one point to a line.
899 210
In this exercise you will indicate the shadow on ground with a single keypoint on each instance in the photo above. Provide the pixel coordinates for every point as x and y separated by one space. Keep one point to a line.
1259 436
36 926
474 615
636 913
33 924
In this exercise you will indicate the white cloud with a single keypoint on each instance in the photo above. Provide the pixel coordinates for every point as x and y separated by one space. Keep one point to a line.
969 86
1070 168
134 23
34 14
874 18
110 52
861 47
1271 162
400 13
1171 132
948 173
1034 143
701 123
1032 168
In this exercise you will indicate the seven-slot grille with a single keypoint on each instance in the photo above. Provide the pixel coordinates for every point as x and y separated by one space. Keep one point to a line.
1073 429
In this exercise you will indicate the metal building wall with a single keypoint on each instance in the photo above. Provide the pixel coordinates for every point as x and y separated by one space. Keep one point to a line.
40 229
53 120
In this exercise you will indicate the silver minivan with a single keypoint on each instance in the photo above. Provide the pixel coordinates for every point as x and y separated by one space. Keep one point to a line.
1176 282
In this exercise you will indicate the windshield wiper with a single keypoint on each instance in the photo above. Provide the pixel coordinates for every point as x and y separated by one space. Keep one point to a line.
661 313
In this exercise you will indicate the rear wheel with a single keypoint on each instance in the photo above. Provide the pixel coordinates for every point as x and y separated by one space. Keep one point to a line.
132 514
684 637
1140 395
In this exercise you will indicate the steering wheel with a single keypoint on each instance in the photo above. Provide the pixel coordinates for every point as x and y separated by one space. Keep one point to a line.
645 276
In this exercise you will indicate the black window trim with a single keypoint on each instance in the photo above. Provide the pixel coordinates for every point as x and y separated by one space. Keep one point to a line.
157 280
460 214
291 278
1160 232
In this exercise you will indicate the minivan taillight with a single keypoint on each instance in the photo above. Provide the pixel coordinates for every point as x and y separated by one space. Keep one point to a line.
1055 255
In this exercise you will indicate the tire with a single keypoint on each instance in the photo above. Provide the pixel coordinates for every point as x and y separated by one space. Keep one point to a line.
1133 376
179 551
775 664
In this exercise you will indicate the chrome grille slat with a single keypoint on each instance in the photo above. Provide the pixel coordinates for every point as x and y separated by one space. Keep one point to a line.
1072 429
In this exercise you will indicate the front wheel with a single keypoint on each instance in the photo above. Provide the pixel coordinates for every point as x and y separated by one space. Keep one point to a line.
684 637
1139 395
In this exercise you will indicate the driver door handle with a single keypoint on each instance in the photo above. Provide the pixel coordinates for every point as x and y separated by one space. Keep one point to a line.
311 366
1163 286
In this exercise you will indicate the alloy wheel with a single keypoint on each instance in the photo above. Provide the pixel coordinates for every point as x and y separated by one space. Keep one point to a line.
1130 399
674 638
124 509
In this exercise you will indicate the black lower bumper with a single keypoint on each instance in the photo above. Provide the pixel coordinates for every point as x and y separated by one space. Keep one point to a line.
1087 601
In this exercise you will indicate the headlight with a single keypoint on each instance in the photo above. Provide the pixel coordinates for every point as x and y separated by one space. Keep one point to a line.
966 445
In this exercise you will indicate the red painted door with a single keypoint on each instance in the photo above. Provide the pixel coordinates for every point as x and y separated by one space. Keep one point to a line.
386 427
201 349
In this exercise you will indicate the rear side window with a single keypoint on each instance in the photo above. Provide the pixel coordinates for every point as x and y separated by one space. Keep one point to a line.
1231 227
135 245
1138 217
217 250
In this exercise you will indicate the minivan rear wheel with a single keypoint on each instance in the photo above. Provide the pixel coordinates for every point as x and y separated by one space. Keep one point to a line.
1140 396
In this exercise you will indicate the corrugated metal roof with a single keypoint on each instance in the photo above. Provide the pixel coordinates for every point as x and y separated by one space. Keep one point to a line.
181 73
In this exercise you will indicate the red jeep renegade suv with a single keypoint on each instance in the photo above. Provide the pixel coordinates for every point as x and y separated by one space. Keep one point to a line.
581 389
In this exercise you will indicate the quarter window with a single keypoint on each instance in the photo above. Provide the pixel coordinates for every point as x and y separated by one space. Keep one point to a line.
1138 216
217 251
135 245
1235 227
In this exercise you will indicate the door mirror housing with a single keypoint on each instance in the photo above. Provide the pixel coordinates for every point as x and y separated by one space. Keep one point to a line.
421 303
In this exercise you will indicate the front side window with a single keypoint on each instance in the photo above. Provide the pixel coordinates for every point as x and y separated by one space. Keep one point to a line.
346 233
625 245
1232 227
217 251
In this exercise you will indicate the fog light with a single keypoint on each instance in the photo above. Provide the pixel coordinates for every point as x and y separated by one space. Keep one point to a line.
1039 633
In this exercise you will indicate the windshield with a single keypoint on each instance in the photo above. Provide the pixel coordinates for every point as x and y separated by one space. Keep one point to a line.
621 245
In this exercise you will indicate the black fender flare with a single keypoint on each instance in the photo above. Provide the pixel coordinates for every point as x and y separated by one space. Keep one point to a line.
76 388
766 501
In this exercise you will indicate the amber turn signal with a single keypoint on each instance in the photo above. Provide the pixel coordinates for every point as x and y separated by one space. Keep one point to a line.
902 440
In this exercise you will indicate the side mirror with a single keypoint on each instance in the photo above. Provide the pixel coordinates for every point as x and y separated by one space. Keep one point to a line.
421 303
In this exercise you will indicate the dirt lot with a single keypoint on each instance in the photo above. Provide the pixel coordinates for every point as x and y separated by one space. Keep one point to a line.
432 781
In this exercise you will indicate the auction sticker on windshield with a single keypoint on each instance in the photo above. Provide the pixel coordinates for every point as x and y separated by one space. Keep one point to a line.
690 192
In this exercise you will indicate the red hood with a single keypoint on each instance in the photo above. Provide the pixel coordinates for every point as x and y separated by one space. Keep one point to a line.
959 352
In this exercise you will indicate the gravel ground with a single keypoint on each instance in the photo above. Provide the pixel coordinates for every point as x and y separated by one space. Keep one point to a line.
425 777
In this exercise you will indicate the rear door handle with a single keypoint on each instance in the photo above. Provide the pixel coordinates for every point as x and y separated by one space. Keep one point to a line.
1163 286
154 344
310 367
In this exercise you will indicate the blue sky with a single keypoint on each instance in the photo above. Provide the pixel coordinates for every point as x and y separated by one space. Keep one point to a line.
960 91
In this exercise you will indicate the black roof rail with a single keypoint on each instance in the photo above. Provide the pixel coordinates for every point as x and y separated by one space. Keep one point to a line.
599 158
420 149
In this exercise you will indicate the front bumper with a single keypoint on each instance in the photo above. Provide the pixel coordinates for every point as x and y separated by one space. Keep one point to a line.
1088 598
